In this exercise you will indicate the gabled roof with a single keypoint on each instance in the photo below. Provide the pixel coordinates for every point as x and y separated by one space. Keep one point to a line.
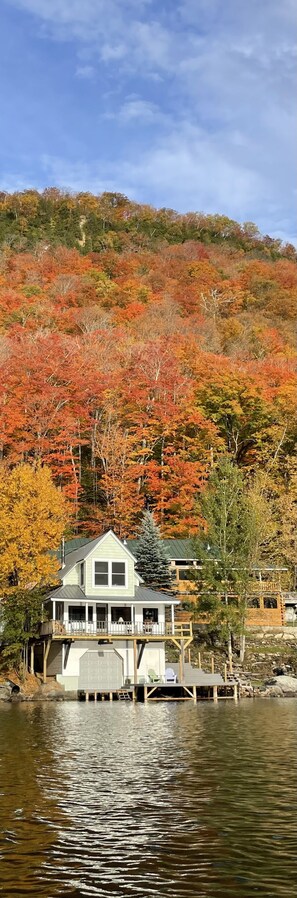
74 557
72 544
82 552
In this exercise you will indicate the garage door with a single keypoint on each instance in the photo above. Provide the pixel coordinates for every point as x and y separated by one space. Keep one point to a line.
101 670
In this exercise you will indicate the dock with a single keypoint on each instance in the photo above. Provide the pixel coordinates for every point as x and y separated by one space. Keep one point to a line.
207 687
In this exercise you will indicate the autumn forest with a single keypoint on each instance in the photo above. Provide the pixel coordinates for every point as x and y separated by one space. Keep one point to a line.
137 347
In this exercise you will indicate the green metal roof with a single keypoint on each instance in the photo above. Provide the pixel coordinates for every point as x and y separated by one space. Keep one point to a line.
76 543
181 549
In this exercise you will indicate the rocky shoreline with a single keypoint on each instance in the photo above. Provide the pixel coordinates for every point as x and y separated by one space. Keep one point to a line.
281 686
276 687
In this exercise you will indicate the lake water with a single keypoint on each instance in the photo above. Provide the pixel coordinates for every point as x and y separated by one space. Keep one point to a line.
149 800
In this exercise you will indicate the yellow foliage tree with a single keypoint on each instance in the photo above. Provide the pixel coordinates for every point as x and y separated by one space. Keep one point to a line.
33 515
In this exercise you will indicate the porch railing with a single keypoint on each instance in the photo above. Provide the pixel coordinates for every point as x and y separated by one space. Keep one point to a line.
104 628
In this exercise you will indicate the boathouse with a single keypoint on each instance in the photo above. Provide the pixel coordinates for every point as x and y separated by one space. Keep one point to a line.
104 628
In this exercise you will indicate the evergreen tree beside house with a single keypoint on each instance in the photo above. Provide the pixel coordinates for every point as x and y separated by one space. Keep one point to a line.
153 563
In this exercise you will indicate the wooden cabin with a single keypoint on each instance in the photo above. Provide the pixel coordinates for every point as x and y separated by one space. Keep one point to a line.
266 602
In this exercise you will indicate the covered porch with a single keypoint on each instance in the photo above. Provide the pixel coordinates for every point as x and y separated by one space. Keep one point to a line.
115 618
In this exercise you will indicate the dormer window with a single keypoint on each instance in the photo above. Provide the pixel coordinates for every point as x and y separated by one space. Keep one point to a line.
110 573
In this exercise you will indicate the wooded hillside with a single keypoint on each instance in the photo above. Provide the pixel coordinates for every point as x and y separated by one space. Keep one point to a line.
136 346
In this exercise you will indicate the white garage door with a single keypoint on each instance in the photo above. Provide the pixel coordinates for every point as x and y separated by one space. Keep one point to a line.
101 669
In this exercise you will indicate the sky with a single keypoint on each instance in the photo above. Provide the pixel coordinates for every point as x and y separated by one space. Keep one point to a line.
187 104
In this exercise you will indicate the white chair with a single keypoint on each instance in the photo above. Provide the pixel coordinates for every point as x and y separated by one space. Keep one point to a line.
170 675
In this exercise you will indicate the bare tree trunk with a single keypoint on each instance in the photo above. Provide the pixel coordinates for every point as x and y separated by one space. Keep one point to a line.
242 648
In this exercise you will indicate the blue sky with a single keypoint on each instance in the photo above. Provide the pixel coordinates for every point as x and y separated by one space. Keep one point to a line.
188 104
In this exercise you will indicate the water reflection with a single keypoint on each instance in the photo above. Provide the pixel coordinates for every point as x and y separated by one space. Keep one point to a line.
152 800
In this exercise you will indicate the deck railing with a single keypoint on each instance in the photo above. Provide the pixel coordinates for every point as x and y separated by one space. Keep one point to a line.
260 587
104 628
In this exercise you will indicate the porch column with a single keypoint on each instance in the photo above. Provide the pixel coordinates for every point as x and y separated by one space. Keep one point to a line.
172 620
133 618
54 609
182 661
135 660
66 616
108 618
87 616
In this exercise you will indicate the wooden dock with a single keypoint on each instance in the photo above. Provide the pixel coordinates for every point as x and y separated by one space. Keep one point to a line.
181 692
164 692
103 695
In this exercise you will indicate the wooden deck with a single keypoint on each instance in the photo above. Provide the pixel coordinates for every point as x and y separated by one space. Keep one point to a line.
164 692
113 632
180 634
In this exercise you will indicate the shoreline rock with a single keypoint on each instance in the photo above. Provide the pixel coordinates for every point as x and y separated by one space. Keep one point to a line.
281 686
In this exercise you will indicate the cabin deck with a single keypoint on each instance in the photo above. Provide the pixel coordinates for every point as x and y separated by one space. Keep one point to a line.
112 632
180 634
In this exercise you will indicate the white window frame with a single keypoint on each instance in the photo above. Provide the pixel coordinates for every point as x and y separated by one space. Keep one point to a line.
110 562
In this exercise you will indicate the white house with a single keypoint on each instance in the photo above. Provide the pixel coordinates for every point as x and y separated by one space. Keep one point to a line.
105 628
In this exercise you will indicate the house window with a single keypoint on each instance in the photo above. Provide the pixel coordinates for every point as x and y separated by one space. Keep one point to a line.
110 573
82 574
77 613
121 615
101 573
118 573
60 611
183 574
270 602
150 615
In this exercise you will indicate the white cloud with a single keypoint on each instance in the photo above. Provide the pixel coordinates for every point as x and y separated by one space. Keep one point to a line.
113 30
226 78
85 71
185 170
139 110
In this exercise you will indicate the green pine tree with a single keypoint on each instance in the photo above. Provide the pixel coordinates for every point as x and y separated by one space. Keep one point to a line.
152 560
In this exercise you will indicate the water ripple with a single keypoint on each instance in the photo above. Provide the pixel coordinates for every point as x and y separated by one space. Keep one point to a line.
165 801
